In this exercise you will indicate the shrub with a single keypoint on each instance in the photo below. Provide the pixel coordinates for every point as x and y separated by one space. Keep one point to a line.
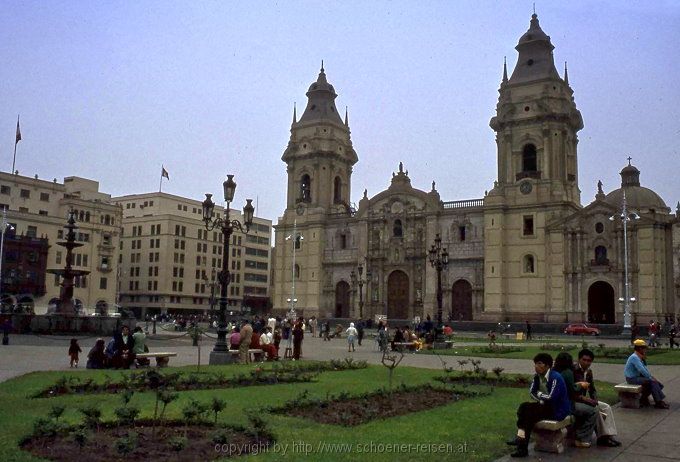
126 444
80 436
177 443
220 437
92 415
126 415
57 411
217 405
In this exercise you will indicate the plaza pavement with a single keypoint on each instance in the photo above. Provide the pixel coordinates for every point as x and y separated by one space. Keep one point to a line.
647 434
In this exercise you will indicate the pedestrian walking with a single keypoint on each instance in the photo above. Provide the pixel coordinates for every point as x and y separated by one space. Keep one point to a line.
73 352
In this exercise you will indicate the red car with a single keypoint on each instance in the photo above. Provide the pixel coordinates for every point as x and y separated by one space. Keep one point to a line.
581 329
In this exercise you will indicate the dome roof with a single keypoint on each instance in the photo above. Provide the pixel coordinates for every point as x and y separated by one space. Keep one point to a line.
637 197
321 101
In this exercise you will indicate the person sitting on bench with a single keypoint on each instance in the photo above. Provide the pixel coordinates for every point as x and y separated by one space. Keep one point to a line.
636 373
551 402
606 427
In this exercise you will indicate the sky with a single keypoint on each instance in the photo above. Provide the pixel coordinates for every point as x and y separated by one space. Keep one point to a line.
113 90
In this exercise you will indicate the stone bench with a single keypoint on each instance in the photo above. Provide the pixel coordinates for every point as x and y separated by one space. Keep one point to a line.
162 357
549 435
629 395
404 345
253 352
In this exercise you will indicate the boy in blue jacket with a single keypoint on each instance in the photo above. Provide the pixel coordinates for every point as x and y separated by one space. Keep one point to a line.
551 402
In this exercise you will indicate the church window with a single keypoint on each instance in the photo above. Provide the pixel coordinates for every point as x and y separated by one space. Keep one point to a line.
529 158
298 242
601 255
530 62
599 228
337 190
297 271
306 188
397 229
461 233
528 262
343 241
528 228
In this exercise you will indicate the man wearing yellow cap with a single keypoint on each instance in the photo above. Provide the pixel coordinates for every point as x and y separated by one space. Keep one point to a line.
636 373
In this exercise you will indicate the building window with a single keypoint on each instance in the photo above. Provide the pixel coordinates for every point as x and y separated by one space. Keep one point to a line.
306 188
529 163
42 212
4 189
397 230
528 228
32 231
601 255
45 197
297 271
529 264
25 193
102 283
599 228
337 190
461 233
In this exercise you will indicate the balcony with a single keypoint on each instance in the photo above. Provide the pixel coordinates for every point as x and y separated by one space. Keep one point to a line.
464 204
104 268
535 174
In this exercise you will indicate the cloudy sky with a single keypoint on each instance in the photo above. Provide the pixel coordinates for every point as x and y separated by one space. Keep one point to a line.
112 90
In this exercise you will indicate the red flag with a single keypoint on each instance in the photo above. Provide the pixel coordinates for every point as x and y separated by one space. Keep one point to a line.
164 173
18 132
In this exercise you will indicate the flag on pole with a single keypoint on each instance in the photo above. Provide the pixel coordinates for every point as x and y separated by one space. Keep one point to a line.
18 132
164 173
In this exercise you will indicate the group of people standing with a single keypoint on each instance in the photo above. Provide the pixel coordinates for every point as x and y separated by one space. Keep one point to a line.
267 337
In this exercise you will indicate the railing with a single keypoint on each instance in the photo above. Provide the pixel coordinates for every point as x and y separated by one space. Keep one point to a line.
464 204
535 174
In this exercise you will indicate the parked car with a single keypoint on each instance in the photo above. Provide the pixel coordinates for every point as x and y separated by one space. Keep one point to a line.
581 329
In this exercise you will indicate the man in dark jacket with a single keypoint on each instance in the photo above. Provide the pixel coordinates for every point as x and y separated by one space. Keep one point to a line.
551 402
124 355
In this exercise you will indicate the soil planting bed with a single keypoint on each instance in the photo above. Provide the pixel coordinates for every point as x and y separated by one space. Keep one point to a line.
518 382
102 445
359 410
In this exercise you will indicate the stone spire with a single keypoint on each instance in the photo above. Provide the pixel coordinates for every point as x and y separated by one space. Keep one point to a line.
346 117
321 101
505 69
566 74
294 113
535 61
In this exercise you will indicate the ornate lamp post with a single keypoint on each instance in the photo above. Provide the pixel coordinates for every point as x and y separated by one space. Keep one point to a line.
360 281
220 354
625 217
212 283
296 238
439 259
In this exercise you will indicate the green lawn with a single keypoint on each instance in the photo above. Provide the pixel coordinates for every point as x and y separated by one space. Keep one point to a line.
656 357
456 424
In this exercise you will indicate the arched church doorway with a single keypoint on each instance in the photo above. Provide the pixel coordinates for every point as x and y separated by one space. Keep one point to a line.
397 295
601 303
342 292
461 301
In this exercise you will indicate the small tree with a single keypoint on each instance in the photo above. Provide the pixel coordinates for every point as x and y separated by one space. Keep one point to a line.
92 415
56 412
80 436
391 362
126 444
165 397
217 405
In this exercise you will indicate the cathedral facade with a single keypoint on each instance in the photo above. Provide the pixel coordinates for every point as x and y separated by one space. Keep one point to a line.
527 250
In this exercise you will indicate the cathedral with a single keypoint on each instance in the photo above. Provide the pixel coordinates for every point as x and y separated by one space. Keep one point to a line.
527 250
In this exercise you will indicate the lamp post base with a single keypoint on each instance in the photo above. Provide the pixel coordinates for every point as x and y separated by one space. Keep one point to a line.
222 357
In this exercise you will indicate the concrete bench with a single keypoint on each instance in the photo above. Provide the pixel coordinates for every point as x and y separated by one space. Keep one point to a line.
549 435
398 346
162 357
629 395
253 352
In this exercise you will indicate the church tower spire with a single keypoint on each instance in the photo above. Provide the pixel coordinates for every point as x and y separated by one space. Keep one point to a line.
319 155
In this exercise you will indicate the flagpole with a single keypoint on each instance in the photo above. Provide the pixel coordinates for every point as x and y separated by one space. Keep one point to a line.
14 161
160 185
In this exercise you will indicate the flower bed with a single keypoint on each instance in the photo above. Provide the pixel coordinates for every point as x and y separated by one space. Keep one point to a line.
349 410
175 441
152 378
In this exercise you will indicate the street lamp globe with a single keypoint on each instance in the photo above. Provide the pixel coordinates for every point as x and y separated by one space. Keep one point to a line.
208 207
229 186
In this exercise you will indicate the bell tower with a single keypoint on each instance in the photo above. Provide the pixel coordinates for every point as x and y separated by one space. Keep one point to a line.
536 125
319 160
319 155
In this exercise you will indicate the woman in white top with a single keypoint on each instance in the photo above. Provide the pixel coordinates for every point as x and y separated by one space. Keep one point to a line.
351 336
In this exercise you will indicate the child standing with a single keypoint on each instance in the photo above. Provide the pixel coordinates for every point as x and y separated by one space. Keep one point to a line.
73 351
